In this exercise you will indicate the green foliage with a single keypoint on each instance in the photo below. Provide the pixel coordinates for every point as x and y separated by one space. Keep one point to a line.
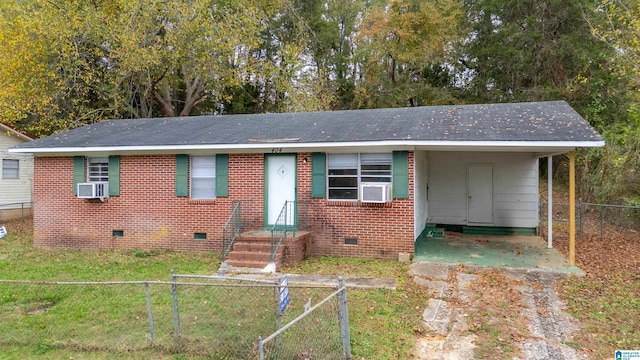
611 175
528 51
74 62
401 48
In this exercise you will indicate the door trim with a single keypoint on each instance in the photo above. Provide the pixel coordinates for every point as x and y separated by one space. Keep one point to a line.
265 205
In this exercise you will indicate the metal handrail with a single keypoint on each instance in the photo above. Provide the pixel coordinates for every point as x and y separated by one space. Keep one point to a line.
232 228
280 227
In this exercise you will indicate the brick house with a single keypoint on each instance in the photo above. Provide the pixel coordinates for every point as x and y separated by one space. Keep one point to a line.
362 183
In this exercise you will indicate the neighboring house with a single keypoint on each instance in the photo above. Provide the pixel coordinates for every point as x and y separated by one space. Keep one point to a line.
16 176
366 182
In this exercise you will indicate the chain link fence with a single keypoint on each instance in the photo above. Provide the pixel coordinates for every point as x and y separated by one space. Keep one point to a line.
16 216
593 219
330 339
210 316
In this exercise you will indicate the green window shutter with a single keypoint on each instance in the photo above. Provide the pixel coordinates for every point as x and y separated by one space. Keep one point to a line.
318 175
182 175
78 172
400 175
222 175
114 175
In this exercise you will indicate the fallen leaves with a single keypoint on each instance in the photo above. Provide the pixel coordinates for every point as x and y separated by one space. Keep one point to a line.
606 301
495 316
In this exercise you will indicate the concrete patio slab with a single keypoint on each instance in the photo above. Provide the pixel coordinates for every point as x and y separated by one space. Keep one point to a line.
521 252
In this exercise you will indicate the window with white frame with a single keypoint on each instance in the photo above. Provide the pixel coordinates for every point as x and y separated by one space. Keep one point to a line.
203 177
10 169
347 171
98 170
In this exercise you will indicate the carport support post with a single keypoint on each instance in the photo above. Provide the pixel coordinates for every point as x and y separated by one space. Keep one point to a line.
572 208
174 297
550 202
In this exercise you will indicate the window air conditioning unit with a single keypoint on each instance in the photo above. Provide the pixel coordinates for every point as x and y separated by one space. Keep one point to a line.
93 190
375 192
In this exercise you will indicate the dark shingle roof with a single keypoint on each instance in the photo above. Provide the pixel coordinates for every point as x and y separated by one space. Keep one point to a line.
553 121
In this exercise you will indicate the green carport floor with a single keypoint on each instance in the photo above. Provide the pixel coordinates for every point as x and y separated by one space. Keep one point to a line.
492 251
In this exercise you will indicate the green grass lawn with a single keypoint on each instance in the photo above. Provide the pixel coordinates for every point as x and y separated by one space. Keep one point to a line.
608 310
69 321
383 323
110 321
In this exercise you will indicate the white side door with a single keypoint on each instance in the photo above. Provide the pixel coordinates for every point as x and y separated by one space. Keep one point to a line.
480 194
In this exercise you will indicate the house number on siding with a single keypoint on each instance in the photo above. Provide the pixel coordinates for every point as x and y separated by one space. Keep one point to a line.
276 150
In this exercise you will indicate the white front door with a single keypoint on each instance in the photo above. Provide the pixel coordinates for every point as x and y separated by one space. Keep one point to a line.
280 187
480 195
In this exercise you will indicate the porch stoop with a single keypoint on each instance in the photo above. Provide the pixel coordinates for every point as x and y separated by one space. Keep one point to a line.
252 249
432 230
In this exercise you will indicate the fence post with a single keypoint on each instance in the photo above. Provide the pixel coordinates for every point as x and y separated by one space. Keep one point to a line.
149 313
276 291
174 296
260 348
344 319
601 221
580 216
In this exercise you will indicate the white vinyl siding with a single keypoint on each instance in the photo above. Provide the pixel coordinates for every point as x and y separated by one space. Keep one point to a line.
515 187
203 177
15 191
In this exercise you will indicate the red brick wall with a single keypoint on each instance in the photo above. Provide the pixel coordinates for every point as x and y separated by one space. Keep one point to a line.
147 210
151 216
382 230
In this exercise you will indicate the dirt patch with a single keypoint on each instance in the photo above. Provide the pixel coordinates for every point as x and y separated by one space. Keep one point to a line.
495 315
39 307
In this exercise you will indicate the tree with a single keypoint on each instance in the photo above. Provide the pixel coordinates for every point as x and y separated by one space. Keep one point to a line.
73 62
400 49
616 176
527 50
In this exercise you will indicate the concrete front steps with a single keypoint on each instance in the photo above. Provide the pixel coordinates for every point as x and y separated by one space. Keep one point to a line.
252 249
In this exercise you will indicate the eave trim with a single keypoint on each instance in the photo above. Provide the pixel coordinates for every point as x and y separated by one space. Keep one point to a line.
401 144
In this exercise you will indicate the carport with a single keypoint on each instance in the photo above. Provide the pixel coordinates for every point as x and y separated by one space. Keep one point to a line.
483 176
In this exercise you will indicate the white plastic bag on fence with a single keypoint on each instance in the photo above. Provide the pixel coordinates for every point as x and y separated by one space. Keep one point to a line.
3 232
